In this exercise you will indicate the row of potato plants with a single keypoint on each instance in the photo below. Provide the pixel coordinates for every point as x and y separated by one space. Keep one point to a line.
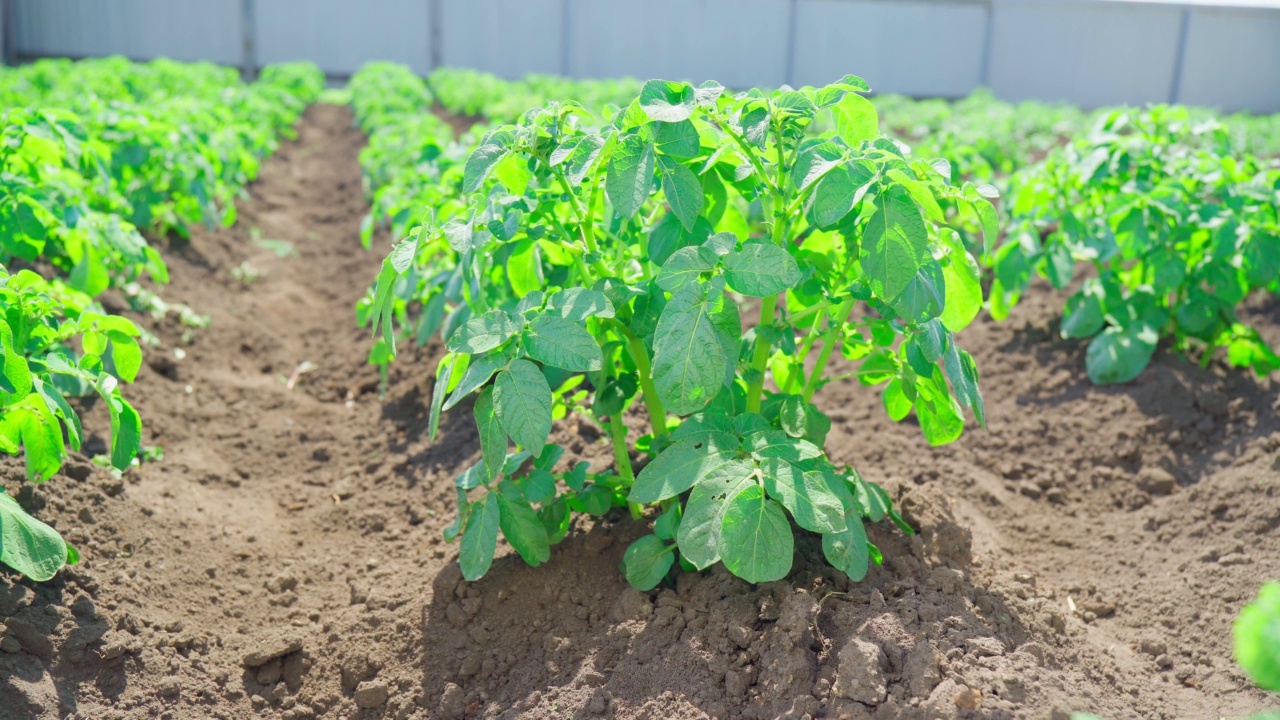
1171 227
602 264
475 93
94 154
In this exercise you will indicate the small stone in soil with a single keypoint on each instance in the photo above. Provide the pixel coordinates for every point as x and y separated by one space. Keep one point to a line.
1156 480
371 694
860 678
453 703
271 649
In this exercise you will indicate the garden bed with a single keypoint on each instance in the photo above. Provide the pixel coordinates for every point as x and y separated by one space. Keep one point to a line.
1087 552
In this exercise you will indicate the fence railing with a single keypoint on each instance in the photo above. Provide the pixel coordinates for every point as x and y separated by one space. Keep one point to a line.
1089 52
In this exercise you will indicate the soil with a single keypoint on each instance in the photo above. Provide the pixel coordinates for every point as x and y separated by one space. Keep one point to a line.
1088 551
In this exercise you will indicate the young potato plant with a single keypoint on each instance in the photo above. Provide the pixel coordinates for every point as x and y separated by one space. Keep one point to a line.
608 267
1178 230
1257 637
41 369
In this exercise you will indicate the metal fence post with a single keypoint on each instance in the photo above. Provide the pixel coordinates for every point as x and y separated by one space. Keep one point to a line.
10 38
566 36
435 18
793 17
1180 58
984 72
248 37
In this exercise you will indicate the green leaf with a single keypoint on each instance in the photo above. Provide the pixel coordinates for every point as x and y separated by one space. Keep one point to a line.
126 355
963 281
34 425
493 438
684 266
852 83
678 139
453 529
768 443
524 268
940 418
791 415
689 361
585 153
578 304
562 343
963 372
444 372
683 465
699 533
836 193
646 562
895 245
1084 315
1257 637
556 518
814 162
668 523
668 236
682 190
16 372
1120 354
126 432
806 495
761 269
479 163
925 294
896 403
847 550
667 101
630 175
522 397
28 545
480 538
856 120
481 334
478 372
756 543
522 528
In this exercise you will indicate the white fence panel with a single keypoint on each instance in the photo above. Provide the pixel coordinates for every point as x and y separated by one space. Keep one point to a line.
1089 53
1232 60
509 38
917 48
140 29
340 35
739 43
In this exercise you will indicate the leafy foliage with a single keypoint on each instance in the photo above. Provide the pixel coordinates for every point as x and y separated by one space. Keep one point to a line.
91 153
601 264
477 93
1178 229
1257 637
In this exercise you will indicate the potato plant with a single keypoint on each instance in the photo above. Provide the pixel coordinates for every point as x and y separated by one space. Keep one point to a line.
1178 229
42 322
92 152
607 267
1257 637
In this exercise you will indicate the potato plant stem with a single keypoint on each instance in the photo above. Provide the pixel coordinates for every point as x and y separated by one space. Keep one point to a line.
830 340
769 306
653 403
618 436
760 358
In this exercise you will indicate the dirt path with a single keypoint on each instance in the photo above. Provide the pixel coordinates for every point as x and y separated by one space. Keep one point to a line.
284 559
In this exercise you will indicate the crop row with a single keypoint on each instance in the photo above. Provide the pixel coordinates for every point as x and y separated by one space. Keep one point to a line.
589 255
95 154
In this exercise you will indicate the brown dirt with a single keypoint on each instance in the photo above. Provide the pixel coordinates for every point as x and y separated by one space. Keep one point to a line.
297 532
